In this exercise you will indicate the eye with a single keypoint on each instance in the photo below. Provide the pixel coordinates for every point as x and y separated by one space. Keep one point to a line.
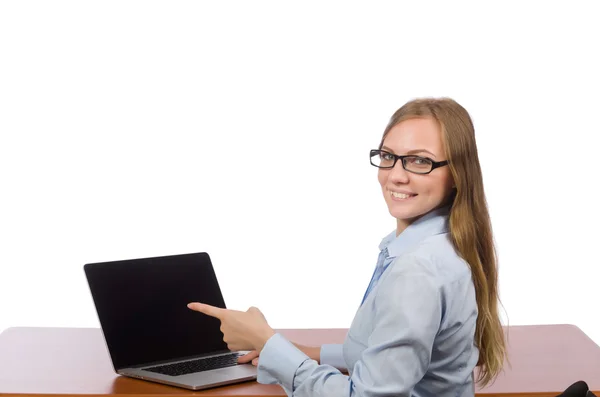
421 161
418 164
387 156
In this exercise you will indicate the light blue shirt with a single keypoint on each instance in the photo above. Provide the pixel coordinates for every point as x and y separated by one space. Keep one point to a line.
413 334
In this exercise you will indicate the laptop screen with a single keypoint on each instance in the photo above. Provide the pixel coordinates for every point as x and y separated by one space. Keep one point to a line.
142 307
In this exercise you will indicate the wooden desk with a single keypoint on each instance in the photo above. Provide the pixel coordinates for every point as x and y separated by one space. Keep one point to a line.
74 361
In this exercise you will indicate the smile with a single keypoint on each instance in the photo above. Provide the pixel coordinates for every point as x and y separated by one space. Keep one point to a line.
402 196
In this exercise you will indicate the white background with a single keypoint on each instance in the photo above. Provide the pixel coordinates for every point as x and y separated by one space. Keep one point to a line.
133 129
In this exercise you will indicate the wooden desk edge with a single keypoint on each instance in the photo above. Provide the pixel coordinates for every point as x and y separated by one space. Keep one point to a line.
180 394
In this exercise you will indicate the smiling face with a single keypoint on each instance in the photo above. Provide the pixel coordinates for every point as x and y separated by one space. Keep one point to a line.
408 195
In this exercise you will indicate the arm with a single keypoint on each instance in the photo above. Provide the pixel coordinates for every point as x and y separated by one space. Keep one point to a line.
330 354
408 306
313 352
333 354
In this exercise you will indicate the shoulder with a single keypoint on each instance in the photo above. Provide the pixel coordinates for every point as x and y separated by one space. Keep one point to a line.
434 258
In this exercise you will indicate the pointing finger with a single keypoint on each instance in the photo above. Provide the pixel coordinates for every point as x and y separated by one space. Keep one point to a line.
206 309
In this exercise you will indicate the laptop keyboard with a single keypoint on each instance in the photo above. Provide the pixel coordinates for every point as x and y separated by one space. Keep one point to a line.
199 365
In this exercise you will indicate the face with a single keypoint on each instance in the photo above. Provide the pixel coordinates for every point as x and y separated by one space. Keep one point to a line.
408 195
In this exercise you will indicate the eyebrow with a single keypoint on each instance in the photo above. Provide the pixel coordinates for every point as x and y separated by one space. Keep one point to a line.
410 151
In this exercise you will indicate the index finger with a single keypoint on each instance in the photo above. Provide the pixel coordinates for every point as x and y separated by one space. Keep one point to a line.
209 310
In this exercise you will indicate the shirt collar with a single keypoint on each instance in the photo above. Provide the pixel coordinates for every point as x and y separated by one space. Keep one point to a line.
432 223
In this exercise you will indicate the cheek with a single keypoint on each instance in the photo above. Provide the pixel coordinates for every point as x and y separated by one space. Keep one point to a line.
382 177
442 186
436 187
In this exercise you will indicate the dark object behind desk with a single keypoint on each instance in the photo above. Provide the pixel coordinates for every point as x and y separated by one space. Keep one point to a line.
577 389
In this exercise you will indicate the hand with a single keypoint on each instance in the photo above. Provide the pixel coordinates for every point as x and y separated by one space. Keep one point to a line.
249 357
247 330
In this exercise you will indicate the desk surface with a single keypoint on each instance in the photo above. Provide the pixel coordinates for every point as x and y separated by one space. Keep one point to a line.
74 361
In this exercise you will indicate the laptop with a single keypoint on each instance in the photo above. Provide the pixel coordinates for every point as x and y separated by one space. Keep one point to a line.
150 333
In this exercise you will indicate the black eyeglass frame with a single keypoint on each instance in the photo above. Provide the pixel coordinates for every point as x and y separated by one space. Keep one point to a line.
434 164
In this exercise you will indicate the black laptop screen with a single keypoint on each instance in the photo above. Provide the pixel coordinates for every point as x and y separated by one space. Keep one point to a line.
142 307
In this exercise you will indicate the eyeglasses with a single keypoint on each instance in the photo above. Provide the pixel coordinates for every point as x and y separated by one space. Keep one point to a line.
411 163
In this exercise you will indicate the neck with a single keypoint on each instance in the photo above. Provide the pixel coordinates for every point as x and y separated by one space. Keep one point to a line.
402 224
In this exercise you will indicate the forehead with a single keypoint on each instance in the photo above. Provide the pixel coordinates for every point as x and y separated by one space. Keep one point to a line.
415 134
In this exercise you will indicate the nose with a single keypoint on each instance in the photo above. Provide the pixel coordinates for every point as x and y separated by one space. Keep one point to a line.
398 174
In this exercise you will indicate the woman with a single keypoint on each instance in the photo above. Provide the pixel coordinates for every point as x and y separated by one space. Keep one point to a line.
430 312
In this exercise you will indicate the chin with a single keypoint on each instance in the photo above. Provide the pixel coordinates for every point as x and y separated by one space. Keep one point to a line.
408 213
409 217
405 214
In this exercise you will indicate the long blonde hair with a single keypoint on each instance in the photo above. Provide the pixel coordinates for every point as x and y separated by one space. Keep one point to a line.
470 226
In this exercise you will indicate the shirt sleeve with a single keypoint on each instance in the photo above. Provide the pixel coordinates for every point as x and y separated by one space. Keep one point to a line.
408 309
280 363
333 354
